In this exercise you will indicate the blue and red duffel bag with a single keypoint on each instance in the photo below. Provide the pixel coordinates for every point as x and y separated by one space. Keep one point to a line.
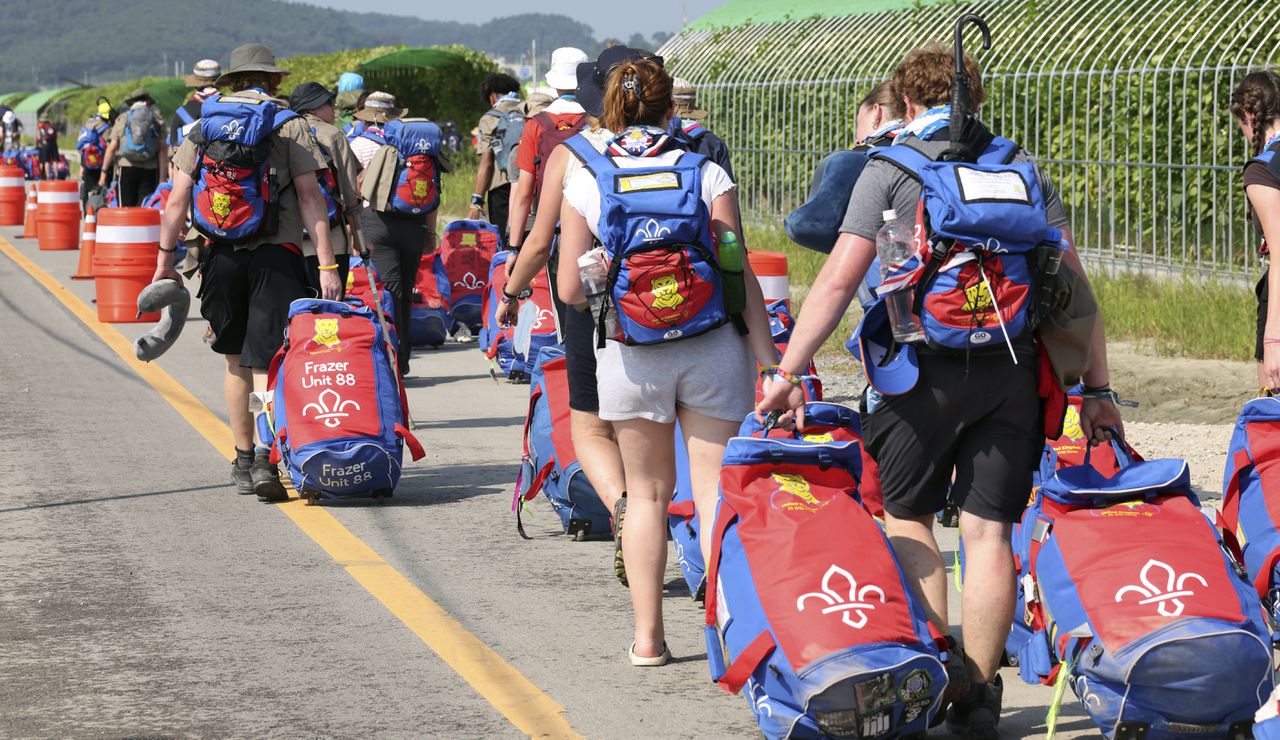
1251 497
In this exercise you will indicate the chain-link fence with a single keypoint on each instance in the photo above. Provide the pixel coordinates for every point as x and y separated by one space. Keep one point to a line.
1124 102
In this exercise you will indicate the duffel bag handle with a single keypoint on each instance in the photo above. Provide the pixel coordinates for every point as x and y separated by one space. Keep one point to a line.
735 676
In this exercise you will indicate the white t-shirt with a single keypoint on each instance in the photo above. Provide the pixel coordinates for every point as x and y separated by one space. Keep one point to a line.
581 192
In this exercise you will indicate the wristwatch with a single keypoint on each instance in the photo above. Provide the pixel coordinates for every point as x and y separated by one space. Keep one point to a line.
477 200
521 296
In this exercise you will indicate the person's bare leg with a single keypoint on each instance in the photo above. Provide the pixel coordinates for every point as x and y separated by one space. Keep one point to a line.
239 382
705 438
990 593
648 455
917 550
597 448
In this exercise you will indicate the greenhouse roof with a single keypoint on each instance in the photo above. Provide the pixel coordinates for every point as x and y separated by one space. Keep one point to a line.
407 59
34 102
752 12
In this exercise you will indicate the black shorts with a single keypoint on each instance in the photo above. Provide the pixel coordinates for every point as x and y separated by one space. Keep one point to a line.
580 360
48 152
978 417
245 296
1261 292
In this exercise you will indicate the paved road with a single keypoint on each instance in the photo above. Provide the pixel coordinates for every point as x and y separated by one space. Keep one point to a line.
140 596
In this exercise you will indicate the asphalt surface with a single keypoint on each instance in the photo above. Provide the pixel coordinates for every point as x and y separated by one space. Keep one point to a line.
139 596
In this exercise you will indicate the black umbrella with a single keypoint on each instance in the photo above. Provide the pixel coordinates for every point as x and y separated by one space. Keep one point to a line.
969 137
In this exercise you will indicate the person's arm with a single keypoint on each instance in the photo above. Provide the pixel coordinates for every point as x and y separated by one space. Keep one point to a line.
575 240
725 217
1095 413
164 161
484 175
108 158
519 208
1266 203
171 226
315 214
536 250
824 307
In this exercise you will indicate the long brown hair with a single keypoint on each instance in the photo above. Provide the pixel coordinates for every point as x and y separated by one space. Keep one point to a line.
1257 95
882 95
636 92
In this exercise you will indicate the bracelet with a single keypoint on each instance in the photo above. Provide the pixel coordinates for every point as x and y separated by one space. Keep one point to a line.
334 266
768 370
1096 389
793 380
477 199
167 251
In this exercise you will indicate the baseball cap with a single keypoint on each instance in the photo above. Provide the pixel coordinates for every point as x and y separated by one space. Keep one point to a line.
890 367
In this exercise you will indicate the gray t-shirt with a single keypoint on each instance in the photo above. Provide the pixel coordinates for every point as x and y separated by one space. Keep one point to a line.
882 186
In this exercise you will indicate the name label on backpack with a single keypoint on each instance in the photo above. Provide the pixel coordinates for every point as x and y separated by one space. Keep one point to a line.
242 100
985 186
641 183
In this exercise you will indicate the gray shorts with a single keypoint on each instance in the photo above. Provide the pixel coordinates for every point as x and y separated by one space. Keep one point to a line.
713 375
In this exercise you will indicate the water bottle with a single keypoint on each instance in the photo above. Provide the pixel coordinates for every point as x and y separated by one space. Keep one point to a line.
735 287
593 268
894 246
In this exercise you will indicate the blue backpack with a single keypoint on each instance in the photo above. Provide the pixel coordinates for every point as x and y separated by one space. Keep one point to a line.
337 412
141 135
236 193
811 613
1131 600
984 225
417 187
664 278
550 464
91 146
185 119
355 129
328 181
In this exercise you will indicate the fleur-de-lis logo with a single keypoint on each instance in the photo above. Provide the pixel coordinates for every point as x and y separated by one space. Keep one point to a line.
1163 587
330 408
543 315
422 145
759 699
840 593
232 130
652 231
470 282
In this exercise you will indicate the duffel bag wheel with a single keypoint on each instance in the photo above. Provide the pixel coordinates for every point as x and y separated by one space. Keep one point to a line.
1131 731
1008 659
311 497
1241 731
381 495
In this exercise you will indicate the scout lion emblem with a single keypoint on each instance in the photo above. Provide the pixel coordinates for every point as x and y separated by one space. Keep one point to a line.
421 188
794 484
666 292
977 298
221 204
327 335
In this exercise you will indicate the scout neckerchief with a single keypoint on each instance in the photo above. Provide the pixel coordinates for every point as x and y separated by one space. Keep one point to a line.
885 130
638 141
928 123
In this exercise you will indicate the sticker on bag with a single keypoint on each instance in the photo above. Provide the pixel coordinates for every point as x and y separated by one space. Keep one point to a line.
986 186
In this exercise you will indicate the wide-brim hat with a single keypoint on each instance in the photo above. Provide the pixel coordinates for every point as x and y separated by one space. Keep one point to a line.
685 96
563 74
310 95
592 75
380 107
251 58
204 74
138 94
891 367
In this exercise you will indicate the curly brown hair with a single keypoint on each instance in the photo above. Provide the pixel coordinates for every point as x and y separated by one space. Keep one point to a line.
636 92
883 96
1257 95
269 81
925 76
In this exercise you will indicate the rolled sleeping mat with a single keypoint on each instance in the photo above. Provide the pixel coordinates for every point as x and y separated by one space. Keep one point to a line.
816 224
173 302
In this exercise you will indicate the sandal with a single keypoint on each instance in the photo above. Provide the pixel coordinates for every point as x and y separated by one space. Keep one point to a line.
619 514
645 662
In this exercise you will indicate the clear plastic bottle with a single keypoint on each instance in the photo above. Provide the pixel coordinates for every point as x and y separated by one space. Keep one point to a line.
894 246
593 267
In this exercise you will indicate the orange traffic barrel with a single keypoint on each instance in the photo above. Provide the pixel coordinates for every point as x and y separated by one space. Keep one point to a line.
13 196
771 270
124 260
29 219
58 214
88 240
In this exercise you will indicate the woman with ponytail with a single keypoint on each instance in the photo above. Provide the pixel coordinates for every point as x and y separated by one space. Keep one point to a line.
1256 106
676 350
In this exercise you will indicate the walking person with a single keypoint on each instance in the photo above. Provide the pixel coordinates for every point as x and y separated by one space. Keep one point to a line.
500 129
11 131
247 284
92 146
201 83
137 149
337 181
691 361
377 109
47 147
688 126
973 416
1255 103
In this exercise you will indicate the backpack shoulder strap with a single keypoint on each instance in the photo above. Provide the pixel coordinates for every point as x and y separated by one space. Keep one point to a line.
1000 151
545 121
184 114
903 156
283 117
594 161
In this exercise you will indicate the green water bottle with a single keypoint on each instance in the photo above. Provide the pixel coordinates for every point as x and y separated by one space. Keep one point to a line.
735 286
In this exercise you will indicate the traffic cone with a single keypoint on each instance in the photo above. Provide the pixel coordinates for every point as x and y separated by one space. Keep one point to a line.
88 241
29 230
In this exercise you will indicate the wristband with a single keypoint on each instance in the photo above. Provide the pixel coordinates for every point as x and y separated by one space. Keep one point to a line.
334 266
477 200
768 370
522 295
167 251
793 380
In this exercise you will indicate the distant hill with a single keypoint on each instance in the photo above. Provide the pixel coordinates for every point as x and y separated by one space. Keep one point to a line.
46 43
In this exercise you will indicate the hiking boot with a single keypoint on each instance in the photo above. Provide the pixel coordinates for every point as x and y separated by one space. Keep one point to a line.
958 683
266 480
619 515
240 476
976 716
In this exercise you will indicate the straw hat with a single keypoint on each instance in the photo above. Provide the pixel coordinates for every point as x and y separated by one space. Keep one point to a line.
380 107
204 74
685 96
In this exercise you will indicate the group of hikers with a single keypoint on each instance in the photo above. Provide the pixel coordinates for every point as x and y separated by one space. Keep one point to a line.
620 158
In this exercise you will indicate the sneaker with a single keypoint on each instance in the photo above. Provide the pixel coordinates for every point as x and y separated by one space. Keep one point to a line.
619 515
266 480
976 716
241 478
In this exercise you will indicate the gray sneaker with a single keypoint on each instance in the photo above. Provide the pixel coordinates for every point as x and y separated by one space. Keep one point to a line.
266 480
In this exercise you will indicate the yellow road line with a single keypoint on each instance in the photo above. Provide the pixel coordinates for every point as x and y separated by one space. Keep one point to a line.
516 697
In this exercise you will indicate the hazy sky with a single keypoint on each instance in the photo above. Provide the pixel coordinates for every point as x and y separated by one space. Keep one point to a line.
607 18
